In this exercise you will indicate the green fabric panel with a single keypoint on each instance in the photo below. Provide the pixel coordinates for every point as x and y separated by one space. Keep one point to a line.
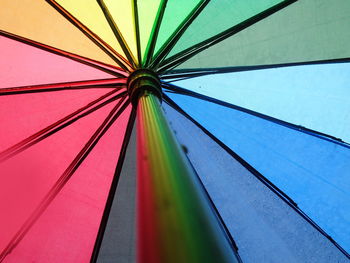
176 12
218 16
307 30
147 13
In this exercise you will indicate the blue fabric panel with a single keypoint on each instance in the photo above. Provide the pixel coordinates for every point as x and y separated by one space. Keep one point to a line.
263 226
314 96
314 172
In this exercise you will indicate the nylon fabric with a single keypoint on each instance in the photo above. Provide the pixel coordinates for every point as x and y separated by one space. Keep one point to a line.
122 12
147 12
38 21
263 226
307 30
23 65
67 230
121 226
175 14
24 186
312 171
26 116
90 14
218 16
314 96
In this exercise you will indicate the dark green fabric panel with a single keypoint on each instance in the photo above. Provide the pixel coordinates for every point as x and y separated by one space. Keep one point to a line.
218 16
307 30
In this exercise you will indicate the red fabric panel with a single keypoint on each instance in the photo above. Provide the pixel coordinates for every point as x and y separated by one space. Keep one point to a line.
24 114
67 229
22 64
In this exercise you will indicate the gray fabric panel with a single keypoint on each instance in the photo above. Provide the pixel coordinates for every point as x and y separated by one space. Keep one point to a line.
264 227
118 243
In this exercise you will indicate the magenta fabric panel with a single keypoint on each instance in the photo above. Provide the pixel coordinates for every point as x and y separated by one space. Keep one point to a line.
28 176
25 114
67 230
22 65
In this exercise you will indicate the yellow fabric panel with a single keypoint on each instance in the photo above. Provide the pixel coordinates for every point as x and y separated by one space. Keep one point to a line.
90 14
37 20
123 15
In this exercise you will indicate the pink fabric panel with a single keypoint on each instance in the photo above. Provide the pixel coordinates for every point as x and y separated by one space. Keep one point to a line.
22 65
25 114
67 230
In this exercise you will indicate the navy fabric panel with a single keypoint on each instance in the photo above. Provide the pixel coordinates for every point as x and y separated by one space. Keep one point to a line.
314 172
264 227
119 240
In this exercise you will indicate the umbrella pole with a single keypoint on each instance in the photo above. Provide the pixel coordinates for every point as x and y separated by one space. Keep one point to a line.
175 222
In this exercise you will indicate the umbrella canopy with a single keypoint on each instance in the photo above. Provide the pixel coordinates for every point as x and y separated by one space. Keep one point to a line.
242 113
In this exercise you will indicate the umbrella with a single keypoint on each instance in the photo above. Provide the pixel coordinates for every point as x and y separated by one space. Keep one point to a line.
240 110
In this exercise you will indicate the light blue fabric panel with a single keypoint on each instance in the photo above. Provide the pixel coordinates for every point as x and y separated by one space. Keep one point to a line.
314 96
314 172
263 226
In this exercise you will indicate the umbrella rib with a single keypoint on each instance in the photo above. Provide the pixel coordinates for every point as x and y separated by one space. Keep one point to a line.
110 69
257 174
170 43
198 72
184 55
116 32
154 34
67 174
60 124
119 59
181 75
295 127
137 31
113 187
74 85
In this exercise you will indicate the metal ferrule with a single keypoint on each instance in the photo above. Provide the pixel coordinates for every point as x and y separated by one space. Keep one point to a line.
142 80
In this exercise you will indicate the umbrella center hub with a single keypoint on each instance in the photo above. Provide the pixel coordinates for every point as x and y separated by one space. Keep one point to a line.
141 81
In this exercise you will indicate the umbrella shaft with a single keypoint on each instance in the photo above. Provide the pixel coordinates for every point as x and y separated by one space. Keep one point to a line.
175 222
